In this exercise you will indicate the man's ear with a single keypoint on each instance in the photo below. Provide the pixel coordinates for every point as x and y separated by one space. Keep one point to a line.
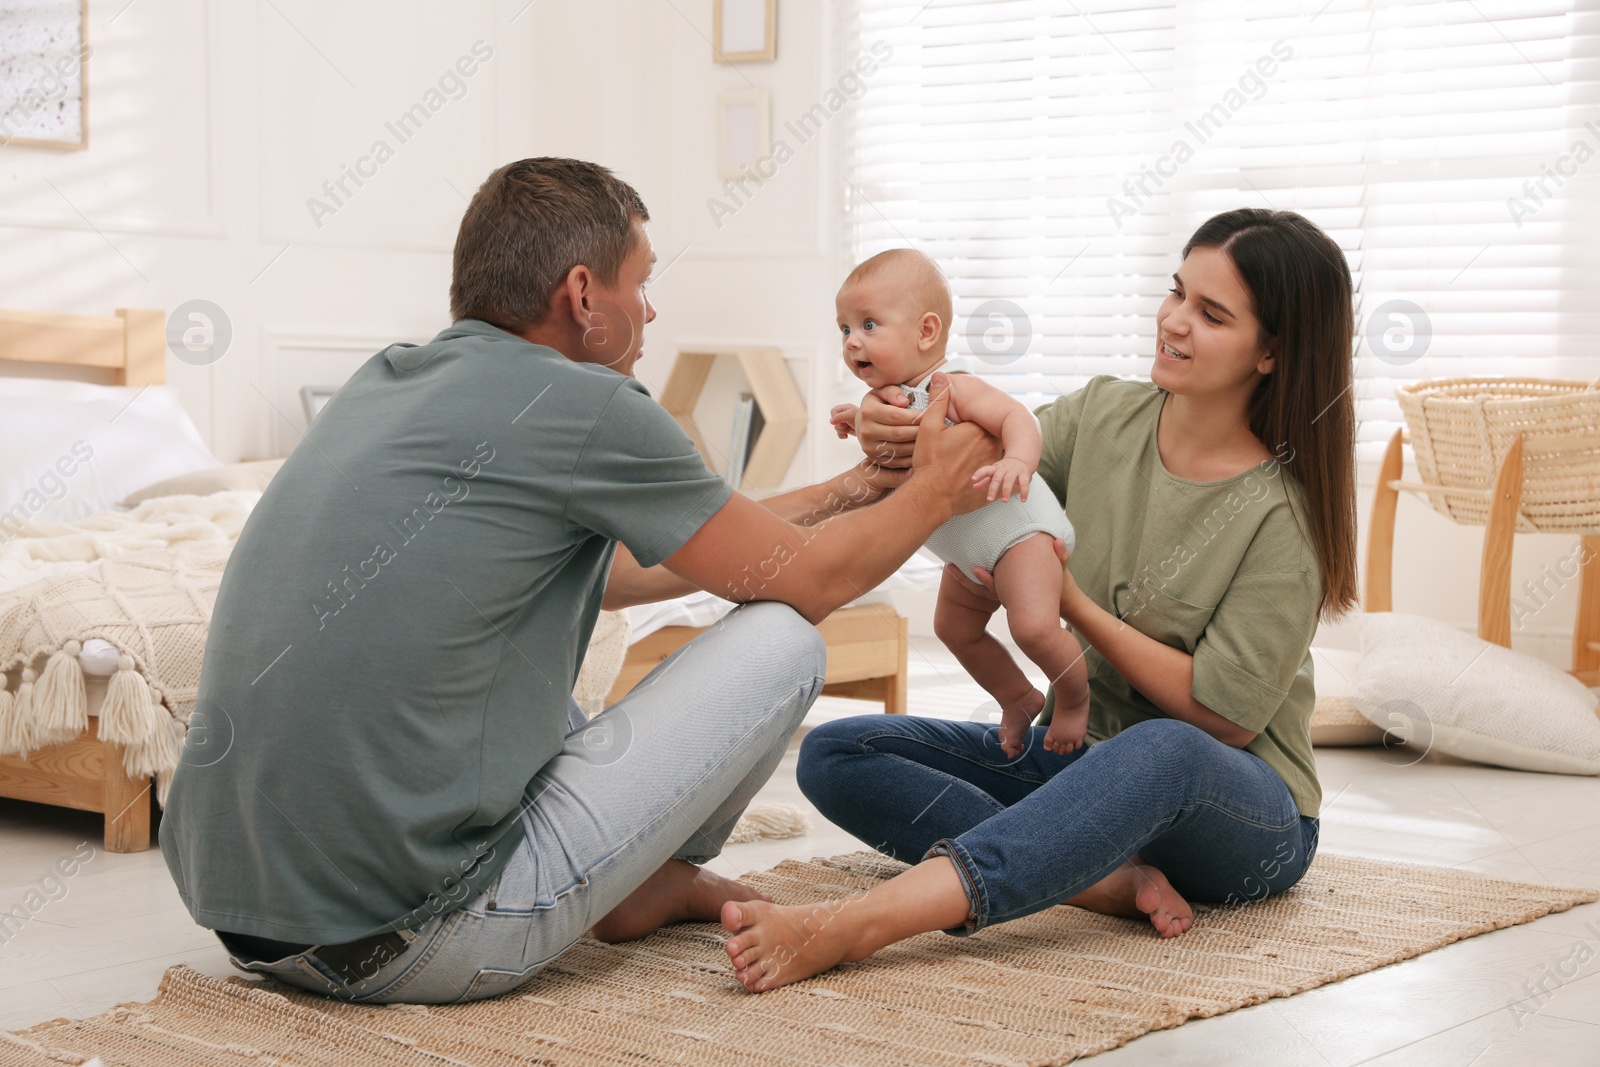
579 292
928 329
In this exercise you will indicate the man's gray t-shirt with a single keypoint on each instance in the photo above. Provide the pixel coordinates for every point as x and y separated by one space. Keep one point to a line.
399 627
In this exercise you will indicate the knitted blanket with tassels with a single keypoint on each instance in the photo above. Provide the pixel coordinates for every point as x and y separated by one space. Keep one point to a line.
144 581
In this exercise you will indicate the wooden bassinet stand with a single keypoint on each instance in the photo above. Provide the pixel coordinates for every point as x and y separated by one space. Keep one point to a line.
1508 455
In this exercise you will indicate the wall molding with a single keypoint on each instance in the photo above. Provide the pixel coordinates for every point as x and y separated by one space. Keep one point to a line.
211 223
277 403
272 232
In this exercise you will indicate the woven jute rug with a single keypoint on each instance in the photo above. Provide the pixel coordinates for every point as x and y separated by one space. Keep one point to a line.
1042 990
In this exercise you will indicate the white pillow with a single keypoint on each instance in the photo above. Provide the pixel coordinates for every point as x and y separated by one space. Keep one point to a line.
253 475
1438 688
71 449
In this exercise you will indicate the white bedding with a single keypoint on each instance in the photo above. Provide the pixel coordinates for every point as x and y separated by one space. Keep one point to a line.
72 449
40 549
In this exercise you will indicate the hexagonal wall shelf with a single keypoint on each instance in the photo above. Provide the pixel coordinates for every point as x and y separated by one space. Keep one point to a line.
783 411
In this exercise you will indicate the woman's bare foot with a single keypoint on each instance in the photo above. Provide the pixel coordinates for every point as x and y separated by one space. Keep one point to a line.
1139 889
1016 720
677 892
776 944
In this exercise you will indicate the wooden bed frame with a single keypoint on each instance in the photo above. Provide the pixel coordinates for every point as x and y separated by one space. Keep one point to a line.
866 645
126 349
866 656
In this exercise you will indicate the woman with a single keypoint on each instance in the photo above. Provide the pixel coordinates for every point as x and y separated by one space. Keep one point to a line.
1197 583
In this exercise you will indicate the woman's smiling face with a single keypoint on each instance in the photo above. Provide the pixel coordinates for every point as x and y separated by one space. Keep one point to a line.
1208 339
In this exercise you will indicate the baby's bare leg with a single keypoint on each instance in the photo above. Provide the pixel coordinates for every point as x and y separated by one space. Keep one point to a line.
1028 579
960 620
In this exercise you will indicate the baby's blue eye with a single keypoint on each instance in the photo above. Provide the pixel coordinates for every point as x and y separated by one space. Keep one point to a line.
869 324
845 330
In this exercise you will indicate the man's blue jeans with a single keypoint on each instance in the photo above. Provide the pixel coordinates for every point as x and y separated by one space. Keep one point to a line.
1029 833
664 773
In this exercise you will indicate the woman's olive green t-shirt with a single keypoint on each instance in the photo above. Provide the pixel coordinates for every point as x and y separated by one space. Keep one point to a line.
1222 570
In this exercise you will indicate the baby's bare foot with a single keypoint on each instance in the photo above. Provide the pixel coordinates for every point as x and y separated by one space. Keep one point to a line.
677 892
1016 720
1067 729
774 944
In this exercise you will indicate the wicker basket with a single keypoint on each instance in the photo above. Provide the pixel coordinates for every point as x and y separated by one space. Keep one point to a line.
1462 428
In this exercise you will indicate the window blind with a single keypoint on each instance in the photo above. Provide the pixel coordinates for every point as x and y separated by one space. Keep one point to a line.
1053 158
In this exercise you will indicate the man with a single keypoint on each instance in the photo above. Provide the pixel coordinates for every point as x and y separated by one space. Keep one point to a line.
389 797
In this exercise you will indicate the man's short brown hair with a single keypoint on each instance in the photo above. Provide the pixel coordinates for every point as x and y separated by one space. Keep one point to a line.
528 225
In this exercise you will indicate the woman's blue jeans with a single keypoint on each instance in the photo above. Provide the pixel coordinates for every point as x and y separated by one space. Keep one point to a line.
1029 833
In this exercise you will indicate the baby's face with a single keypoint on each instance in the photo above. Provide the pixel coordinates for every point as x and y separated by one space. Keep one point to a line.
880 330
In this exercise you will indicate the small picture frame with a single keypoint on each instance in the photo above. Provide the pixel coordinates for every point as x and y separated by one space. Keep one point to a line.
744 31
44 86
313 398
744 131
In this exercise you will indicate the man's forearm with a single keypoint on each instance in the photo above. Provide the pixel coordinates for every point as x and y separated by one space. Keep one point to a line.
812 504
747 552
630 584
834 562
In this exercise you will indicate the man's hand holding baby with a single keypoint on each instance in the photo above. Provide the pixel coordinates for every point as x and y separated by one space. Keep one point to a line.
846 419
888 428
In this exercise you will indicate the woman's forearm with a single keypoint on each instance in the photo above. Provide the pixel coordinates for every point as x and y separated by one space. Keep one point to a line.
1165 675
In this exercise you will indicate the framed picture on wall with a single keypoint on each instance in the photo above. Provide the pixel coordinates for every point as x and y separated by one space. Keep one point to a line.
744 131
744 30
44 94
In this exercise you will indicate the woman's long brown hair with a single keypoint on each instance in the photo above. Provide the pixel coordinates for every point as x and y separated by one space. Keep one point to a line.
1303 410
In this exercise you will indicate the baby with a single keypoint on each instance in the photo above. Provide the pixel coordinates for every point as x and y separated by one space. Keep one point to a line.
894 314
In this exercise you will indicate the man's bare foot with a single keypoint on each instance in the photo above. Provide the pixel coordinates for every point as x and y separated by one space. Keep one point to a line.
677 892
1139 889
1016 719
776 944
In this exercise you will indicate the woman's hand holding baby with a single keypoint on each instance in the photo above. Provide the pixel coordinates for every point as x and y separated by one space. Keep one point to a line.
986 588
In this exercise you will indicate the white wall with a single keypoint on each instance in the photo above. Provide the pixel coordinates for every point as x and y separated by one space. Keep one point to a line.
212 124
764 275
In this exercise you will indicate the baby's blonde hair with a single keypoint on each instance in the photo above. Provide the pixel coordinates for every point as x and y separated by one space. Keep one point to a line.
923 283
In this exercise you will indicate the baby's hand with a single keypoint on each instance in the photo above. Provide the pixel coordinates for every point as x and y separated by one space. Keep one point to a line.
843 419
1005 477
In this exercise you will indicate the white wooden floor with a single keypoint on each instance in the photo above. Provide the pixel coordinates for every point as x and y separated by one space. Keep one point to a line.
1528 995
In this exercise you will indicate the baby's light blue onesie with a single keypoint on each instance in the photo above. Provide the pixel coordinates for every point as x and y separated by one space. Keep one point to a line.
979 538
